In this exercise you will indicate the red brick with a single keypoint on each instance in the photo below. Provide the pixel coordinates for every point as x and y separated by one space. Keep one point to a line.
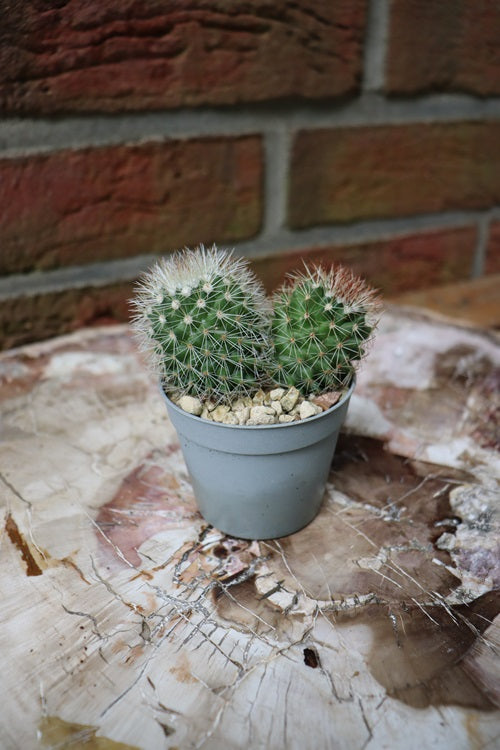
394 265
38 317
123 55
74 207
492 264
349 174
444 46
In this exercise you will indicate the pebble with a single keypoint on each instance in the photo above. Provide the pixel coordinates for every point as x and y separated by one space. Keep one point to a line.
262 415
285 418
261 421
220 412
290 398
327 399
243 415
276 405
276 394
308 409
190 404
230 418
259 398
241 403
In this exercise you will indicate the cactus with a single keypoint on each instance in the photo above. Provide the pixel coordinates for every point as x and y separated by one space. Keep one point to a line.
203 318
321 325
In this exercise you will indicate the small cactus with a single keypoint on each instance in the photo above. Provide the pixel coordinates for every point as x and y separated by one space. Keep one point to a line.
203 318
321 325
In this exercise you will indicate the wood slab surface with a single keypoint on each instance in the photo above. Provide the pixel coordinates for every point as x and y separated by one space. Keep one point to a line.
127 622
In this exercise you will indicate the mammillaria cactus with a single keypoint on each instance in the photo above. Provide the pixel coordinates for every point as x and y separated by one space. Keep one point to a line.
220 351
321 325
203 318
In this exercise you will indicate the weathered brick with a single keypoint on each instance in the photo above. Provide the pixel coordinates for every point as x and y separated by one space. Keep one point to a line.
492 264
394 265
123 55
349 174
444 46
41 316
74 207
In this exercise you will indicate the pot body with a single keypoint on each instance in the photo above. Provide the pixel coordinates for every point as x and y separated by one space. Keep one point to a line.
259 481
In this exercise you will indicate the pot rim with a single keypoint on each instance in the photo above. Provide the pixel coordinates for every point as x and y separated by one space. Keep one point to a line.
298 423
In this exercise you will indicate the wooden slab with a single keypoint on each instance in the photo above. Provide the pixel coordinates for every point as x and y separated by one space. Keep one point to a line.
474 302
128 623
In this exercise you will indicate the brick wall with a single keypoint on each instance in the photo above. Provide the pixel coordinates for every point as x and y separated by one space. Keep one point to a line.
354 131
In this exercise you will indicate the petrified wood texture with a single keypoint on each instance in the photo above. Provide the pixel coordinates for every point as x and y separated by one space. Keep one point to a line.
128 623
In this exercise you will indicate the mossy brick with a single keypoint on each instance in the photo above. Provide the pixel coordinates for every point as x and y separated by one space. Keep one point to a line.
74 207
444 46
84 55
359 173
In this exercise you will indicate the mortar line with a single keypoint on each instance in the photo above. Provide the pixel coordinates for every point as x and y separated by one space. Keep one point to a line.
359 232
277 149
483 231
375 46
124 270
25 136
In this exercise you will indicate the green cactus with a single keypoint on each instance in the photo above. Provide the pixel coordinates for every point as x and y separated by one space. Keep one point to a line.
321 325
203 318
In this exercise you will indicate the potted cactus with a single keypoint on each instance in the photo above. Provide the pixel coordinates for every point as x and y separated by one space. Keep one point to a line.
257 389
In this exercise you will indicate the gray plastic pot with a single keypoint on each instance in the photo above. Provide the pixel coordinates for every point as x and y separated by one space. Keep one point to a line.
262 481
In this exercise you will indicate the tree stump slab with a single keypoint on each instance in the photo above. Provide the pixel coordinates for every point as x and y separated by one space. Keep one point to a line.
127 622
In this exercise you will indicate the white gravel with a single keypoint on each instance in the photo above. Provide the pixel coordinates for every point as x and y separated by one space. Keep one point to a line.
276 406
190 404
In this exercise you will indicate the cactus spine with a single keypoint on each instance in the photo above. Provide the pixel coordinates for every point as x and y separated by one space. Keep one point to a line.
203 318
321 324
